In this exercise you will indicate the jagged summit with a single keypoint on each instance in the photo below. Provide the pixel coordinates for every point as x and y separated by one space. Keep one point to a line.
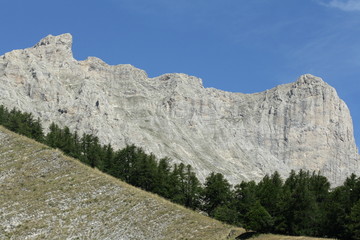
51 48
300 125
310 79
63 39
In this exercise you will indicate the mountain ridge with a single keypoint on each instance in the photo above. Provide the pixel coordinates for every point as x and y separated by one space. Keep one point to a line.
298 125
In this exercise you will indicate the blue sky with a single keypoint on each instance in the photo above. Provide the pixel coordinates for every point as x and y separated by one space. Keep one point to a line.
235 45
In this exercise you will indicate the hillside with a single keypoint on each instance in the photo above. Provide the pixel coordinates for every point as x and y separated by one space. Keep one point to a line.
299 125
46 195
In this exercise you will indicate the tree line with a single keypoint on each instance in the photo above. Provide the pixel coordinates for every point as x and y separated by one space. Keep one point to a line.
302 204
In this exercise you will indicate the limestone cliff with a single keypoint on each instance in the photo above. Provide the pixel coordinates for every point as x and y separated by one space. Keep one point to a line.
244 136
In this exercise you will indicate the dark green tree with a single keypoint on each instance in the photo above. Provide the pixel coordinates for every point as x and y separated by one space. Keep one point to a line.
144 171
163 185
192 189
177 180
301 212
217 192
227 214
336 216
245 198
67 143
339 206
53 138
107 159
258 219
123 161
269 192
4 115
320 188
354 221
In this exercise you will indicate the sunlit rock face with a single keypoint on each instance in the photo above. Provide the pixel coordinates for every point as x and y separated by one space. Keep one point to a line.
300 125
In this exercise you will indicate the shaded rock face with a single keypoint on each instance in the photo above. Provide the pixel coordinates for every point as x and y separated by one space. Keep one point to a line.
300 125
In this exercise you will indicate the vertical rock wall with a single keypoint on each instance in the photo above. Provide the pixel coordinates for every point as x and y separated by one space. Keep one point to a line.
300 125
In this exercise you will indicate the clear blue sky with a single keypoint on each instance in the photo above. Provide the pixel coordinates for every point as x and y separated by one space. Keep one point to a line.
235 45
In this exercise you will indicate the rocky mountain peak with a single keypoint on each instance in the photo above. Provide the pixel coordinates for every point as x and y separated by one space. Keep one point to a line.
60 45
60 40
300 125
309 79
180 81
309 85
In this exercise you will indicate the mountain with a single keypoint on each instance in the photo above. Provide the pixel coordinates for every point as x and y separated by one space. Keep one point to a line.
300 125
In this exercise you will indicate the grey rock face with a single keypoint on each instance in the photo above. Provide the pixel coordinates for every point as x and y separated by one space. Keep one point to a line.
300 125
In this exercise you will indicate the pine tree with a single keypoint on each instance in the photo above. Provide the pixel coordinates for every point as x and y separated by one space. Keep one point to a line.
193 189
67 142
90 150
354 224
76 153
163 182
3 115
143 173
227 214
217 192
245 198
301 211
320 187
53 137
123 161
177 179
37 131
339 207
108 158
258 219
269 192
336 214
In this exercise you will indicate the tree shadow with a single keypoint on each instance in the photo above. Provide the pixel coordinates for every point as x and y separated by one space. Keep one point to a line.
247 235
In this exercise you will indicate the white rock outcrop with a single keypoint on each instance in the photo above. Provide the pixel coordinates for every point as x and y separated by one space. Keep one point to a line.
300 125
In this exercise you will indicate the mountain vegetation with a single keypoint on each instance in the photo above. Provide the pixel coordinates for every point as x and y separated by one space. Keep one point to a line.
48 195
302 204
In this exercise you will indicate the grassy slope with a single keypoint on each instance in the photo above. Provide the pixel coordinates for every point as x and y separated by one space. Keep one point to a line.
46 195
